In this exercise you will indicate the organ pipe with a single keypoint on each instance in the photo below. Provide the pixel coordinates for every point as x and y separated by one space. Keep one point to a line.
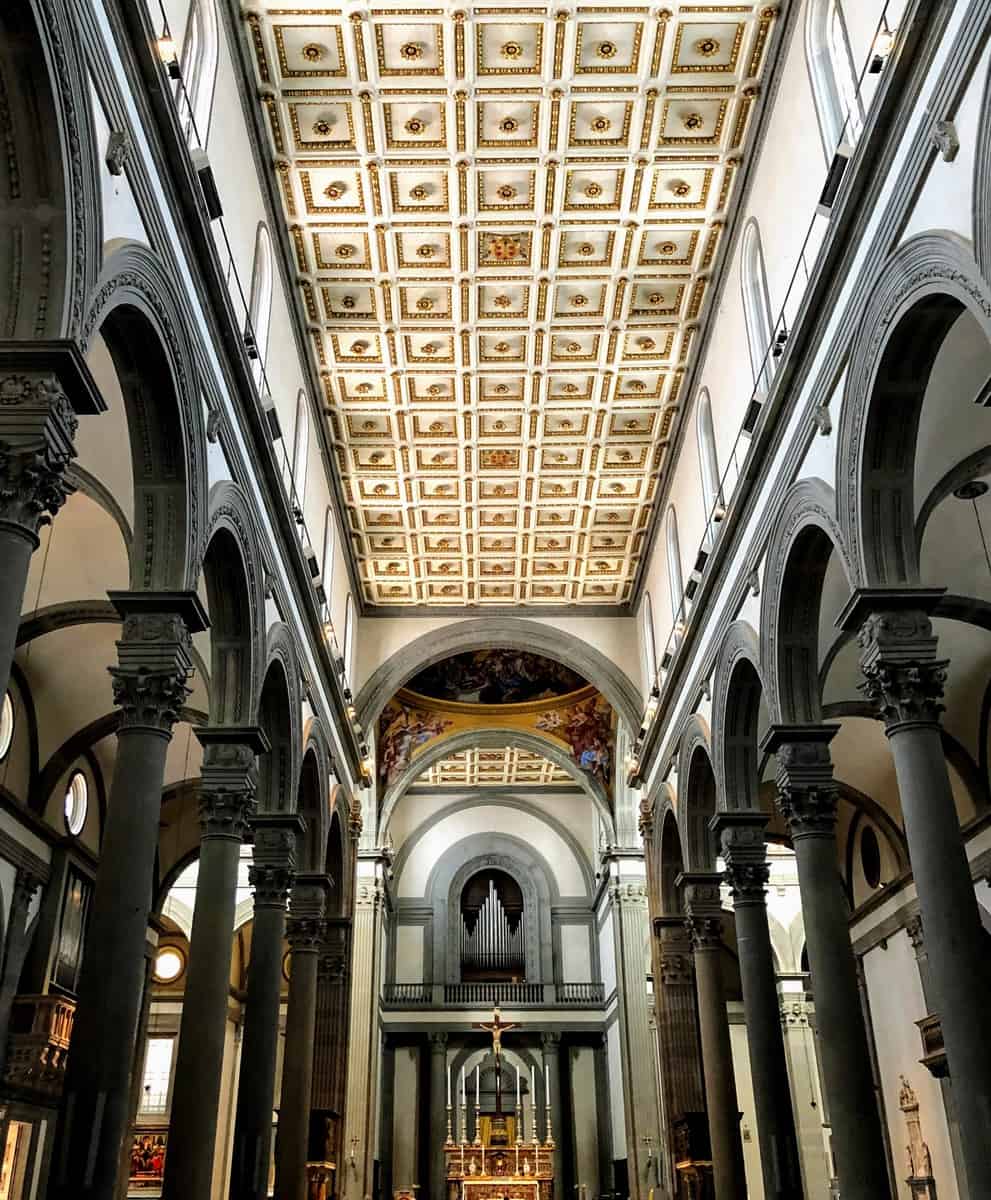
492 944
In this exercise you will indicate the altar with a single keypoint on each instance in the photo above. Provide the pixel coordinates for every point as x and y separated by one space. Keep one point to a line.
497 1163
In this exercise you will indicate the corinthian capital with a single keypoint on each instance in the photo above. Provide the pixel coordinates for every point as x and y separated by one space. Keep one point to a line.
807 792
741 838
703 908
37 425
903 678
228 779
273 866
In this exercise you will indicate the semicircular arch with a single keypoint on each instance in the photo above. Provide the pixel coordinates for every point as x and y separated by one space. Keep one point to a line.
736 694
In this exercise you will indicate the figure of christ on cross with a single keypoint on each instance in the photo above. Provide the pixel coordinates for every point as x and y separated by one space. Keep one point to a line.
497 1027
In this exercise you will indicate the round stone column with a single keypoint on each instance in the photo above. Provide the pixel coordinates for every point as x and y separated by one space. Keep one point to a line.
741 835
150 688
807 800
271 874
704 922
227 797
305 932
904 680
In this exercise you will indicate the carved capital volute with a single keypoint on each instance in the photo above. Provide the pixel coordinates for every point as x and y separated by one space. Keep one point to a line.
37 427
438 1044
741 837
154 657
703 908
273 866
807 794
26 883
551 1043
305 934
228 779
903 678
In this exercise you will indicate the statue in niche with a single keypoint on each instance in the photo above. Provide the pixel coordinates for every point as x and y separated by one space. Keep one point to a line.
920 1170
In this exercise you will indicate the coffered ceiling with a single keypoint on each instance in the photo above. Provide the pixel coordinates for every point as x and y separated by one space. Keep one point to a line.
505 221
496 767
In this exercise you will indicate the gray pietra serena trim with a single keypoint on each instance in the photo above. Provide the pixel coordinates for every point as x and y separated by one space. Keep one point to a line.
488 633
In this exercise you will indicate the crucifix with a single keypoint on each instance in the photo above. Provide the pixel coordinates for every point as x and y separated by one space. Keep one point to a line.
497 1027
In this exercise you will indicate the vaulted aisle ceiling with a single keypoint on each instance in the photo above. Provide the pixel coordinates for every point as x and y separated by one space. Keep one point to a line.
505 220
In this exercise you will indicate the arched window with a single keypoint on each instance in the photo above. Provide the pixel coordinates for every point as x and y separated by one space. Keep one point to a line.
675 585
708 462
649 643
199 68
301 447
831 72
327 570
260 310
756 306
348 647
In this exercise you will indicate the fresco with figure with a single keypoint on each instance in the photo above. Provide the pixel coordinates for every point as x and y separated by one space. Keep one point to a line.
496 677
511 689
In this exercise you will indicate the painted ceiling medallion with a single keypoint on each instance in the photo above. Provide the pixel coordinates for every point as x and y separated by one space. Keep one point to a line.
349 302
511 50
586 248
425 304
574 347
368 426
503 301
380 490
571 388
707 47
506 191
509 125
322 127
600 124
435 389
313 52
606 50
430 347
436 426
566 424
499 490
359 347
656 298
419 192
504 246
415 126
500 425
411 51
593 189
334 191
637 385
646 343
363 389
395 591
345 251
633 424
693 121
679 187
666 248
502 348
579 301
425 251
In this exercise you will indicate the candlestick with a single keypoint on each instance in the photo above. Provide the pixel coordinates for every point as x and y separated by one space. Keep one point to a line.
478 1126
478 1084
547 1085
517 1087
450 1130
462 1085
448 1072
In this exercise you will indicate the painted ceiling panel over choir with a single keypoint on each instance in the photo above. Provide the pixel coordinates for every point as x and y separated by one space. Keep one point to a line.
504 223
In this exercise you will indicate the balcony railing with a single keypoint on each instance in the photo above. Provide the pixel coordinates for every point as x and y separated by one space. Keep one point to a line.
484 995
40 1029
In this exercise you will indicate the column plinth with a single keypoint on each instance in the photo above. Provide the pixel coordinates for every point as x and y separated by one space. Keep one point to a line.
271 876
807 800
704 923
904 680
150 688
741 836
228 781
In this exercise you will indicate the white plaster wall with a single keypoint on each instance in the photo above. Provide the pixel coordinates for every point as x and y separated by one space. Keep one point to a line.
409 954
607 956
617 1108
404 1128
576 955
896 1002
458 826
745 1101
585 1104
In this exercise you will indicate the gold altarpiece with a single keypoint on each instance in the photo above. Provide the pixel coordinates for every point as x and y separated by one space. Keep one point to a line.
498 1164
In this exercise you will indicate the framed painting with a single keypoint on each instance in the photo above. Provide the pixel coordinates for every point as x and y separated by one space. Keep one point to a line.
148 1146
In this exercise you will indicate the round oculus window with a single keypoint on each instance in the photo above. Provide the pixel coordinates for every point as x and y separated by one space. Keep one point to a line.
170 963
6 724
76 803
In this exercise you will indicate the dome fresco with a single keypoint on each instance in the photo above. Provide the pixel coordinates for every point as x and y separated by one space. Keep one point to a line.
496 677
